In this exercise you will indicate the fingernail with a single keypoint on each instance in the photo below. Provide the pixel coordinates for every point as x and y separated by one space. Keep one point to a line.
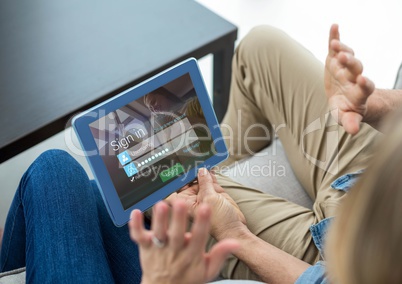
202 172
132 214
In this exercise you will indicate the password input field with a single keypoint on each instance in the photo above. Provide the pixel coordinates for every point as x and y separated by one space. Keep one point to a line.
172 146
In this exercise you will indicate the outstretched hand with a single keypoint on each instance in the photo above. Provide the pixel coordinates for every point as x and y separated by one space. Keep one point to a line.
170 254
346 88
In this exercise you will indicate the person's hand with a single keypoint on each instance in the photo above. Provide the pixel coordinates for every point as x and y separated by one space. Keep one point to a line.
169 254
346 88
226 214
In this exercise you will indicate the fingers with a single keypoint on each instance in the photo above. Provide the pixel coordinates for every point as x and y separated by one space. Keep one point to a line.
351 122
349 105
173 234
353 66
160 221
362 90
213 176
200 229
217 187
171 198
205 180
334 43
333 35
191 186
137 231
367 86
347 69
337 46
217 256
178 225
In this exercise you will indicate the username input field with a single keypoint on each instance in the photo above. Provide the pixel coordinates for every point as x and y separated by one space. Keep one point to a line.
160 138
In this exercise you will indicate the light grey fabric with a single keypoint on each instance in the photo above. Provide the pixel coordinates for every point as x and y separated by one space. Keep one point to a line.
269 171
398 81
16 276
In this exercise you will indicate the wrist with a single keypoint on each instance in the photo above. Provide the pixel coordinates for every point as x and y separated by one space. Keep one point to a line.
238 231
157 274
374 107
380 103
152 280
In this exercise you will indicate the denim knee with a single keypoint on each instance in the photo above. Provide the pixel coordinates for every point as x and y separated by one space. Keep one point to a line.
53 154
54 169
54 160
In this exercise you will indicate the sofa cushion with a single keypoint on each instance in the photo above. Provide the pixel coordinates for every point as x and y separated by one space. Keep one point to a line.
398 81
270 172
16 276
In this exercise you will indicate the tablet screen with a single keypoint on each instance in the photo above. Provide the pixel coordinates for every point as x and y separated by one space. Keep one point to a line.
152 140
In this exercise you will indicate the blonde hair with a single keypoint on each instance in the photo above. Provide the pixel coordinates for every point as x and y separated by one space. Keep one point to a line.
365 242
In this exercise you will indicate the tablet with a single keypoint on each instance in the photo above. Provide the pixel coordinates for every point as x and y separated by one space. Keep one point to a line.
150 140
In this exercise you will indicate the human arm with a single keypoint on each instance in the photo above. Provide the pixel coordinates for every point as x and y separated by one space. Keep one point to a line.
381 103
182 259
270 263
353 97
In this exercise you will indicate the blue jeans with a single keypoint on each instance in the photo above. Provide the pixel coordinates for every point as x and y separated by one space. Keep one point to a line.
59 228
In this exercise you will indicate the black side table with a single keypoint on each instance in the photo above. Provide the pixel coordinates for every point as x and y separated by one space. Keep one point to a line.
61 57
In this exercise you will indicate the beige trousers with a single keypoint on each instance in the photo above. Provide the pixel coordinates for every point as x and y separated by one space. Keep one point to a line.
278 90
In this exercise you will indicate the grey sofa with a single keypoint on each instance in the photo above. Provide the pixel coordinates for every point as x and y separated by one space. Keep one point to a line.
398 80
283 185
281 182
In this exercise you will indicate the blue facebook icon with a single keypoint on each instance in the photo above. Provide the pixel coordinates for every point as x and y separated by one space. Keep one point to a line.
130 169
124 158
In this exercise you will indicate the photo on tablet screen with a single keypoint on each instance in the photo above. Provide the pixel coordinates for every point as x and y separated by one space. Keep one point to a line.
152 140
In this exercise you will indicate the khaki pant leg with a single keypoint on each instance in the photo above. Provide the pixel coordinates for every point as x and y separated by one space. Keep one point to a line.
273 219
277 89
278 85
